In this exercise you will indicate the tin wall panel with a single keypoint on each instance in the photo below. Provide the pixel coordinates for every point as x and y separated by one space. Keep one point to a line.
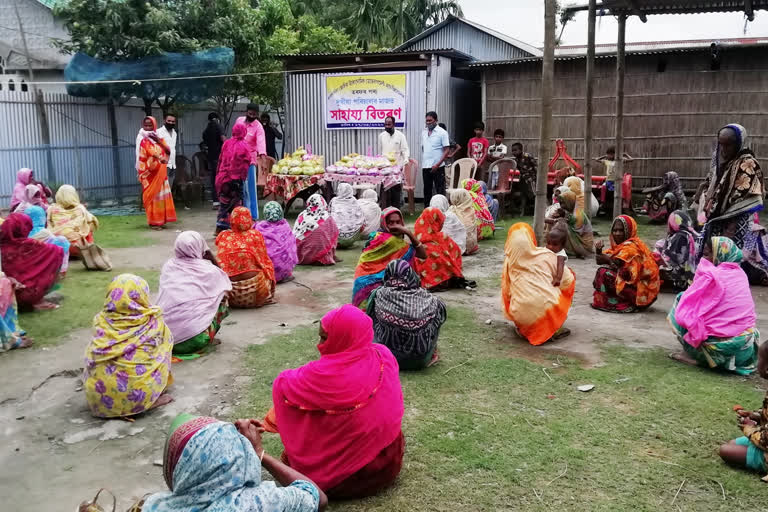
466 39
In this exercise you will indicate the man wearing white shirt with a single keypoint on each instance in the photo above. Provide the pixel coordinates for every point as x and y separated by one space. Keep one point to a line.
393 142
168 133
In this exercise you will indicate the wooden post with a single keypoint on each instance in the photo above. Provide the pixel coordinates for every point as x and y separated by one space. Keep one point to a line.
619 167
547 80
115 150
590 94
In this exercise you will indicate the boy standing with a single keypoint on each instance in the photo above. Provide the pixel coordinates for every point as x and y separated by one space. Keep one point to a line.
477 148
498 150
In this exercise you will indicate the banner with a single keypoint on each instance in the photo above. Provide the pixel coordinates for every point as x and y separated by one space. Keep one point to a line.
363 100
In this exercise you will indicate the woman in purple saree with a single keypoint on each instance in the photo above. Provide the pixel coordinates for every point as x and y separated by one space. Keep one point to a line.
281 244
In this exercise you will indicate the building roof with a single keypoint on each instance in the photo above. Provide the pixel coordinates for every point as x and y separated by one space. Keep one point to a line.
48 3
649 7
455 19
306 61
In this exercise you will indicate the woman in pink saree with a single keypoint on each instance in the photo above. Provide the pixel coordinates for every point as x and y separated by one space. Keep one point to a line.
340 417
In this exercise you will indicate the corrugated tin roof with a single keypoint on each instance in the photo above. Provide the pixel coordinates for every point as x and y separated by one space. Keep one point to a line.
649 46
671 6
48 3
452 19
446 52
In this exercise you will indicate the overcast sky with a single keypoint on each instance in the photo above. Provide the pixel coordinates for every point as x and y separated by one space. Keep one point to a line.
524 20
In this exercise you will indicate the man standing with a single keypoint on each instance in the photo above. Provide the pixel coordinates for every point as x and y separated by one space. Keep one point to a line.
213 138
393 142
168 133
526 164
254 138
270 133
434 150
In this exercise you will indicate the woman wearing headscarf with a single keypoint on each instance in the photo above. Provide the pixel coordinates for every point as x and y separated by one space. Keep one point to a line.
234 161
442 268
733 192
39 233
580 240
11 334
151 165
485 225
33 196
662 200
128 362
628 280
406 317
452 226
193 295
281 244
528 297
490 201
461 207
35 265
714 319
348 215
199 480
24 178
676 254
68 218
316 233
384 246
243 256
369 202
340 417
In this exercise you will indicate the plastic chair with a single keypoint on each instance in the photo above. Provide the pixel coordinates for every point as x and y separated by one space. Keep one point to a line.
409 172
467 170
503 187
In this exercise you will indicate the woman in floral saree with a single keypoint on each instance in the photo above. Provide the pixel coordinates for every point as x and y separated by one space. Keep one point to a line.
151 164
484 217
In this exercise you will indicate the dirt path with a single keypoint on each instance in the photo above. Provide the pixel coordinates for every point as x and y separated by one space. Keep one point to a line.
55 454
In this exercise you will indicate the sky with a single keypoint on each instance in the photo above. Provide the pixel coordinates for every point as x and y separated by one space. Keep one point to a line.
524 20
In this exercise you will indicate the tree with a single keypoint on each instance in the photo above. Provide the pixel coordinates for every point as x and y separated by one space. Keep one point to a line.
545 140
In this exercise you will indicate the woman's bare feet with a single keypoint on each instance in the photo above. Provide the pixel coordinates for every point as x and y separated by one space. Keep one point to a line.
44 305
682 357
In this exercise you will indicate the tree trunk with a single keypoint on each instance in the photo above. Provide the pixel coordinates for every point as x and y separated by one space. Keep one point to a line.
547 79
148 106
619 167
588 108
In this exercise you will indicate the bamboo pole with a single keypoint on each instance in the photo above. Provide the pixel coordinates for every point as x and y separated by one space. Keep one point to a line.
547 80
589 104
619 168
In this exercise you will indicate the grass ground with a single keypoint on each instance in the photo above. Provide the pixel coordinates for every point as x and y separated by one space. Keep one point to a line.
122 231
489 430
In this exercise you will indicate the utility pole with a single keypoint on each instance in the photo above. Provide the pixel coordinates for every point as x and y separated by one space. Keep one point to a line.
42 116
547 83
619 167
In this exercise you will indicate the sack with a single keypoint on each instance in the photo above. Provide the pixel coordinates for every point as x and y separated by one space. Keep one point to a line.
94 257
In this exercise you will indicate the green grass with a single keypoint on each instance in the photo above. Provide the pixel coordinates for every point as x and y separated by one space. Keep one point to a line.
84 293
122 231
486 430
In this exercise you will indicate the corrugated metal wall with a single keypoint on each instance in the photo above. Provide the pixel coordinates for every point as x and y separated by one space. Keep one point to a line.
441 89
81 143
469 40
305 123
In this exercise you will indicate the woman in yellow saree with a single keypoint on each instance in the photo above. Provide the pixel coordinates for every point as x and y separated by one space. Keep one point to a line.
528 297
151 162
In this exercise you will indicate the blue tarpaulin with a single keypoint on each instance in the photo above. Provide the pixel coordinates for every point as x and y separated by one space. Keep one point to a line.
215 61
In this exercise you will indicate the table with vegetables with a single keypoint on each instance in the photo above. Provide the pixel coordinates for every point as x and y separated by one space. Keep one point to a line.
359 169
297 172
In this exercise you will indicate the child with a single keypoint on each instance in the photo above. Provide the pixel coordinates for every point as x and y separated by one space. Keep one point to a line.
454 148
477 149
749 450
609 161
556 244
498 150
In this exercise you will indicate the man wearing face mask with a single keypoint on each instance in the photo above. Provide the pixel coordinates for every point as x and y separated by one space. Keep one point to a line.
168 133
393 142
257 143
435 146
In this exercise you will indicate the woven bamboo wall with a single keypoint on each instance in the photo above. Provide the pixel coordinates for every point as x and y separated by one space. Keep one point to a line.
671 116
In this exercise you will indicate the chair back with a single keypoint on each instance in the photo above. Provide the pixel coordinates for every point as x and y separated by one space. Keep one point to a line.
467 168
200 163
185 169
409 172
504 167
265 167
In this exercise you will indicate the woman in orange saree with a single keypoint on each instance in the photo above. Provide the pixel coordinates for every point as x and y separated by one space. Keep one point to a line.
151 159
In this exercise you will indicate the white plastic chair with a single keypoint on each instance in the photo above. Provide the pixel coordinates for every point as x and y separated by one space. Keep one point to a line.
467 169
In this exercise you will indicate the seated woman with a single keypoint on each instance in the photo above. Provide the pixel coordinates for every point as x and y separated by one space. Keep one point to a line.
199 481
382 247
452 225
484 218
628 281
348 215
442 269
715 319
316 233
676 254
662 200
369 202
33 196
39 233
35 265
281 244
24 178
243 256
128 362
531 298
193 295
68 218
340 417
580 240
461 207
11 334
493 203
749 450
406 317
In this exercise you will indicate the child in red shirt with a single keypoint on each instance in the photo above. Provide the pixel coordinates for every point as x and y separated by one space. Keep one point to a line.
477 149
